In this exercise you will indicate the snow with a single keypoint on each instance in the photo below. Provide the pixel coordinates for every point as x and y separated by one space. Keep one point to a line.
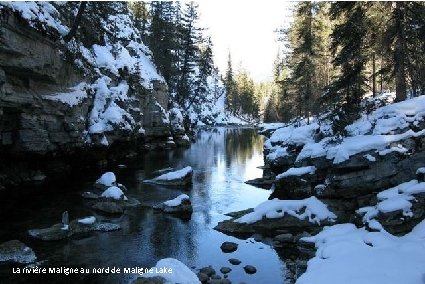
292 135
106 113
420 170
38 12
266 127
378 131
370 158
315 210
176 201
87 221
180 273
353 145
179 174
297 172
393 199
72 98
346 254
114 193
107 179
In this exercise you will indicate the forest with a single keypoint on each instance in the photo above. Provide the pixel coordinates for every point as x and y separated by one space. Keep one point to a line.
331 55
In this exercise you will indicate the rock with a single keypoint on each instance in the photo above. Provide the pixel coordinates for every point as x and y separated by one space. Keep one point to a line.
284 238
270 227
43 112
55 232
234 261
215 277
106 227
225 270
208 270
90 195
16 252
163 171
180 177
261 182
228 247
238 214
180 206
108 207
203 277
250 269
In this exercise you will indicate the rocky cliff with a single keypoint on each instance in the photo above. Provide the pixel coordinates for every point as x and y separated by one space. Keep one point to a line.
85 99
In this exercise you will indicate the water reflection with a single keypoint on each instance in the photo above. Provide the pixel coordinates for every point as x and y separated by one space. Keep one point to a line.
222 160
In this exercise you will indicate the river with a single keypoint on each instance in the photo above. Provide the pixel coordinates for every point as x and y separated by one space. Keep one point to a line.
222 159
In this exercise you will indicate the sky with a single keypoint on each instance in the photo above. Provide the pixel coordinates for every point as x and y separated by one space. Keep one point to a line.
246 29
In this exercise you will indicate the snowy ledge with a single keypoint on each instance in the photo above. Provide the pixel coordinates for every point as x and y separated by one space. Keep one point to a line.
394 199
311 208
297 172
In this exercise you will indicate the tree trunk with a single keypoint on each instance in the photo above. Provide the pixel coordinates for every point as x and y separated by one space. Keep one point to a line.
400 54
76 23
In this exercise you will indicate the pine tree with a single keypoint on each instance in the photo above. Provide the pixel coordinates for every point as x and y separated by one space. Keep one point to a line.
230 85
350 45
191 38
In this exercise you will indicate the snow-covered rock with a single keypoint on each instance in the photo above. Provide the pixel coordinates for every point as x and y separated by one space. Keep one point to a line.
297 172
179 177
114 192
180 205
107 179
311 208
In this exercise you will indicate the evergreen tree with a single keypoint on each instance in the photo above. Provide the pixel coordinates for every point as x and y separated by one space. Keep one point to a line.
191 38
350 45
230 85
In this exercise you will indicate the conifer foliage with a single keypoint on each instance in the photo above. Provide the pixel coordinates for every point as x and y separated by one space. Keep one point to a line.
336 52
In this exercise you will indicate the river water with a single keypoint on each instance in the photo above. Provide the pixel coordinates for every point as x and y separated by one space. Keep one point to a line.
222 159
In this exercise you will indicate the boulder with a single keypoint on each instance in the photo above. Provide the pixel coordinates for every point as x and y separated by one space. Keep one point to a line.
261 182
250 269
180 205
16 252
108 207
234 261
180 177
228 247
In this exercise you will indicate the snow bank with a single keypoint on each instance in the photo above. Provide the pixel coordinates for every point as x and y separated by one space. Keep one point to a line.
346 254
376 131
179 174
180 273
176 201
87 221
310 208
297 172
107 179
292 135
393 199
114 193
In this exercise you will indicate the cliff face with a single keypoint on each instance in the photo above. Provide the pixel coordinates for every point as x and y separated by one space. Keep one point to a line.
59 99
